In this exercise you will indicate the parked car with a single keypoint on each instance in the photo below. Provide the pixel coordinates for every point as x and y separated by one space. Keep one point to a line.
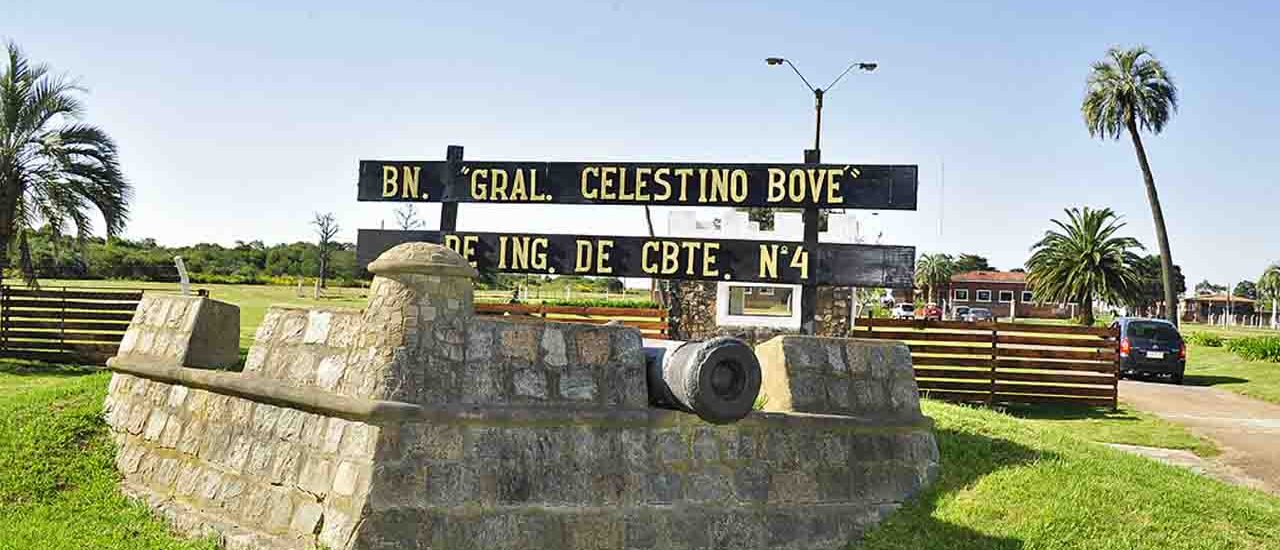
932 312
904 311
1150 347
976 314
959 312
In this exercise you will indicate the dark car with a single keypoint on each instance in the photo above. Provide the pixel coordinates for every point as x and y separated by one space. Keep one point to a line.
1150 347
976 314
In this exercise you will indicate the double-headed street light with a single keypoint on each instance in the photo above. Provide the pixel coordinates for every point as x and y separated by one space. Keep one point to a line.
818 93
809 293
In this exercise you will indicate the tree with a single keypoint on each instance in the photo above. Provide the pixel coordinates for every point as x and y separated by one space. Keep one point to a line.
53 168
1128 92
1084 260
326 229
1269 288
933 271
407 217
764 217
1205 287
1246 289
972 262
1151 285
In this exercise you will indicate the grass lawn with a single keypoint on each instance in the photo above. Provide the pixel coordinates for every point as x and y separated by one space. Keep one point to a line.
1125 425
1011 484
57 482
1208 366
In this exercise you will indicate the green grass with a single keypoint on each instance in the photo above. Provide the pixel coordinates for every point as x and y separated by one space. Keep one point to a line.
57 482
1221 368
1011 484
1124 425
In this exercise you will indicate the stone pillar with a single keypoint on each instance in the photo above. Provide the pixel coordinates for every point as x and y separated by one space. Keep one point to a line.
420 306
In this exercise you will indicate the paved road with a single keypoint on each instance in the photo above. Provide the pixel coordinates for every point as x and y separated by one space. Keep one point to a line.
1246 430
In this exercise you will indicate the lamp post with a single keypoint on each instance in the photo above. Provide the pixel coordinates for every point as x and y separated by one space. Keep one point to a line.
809 292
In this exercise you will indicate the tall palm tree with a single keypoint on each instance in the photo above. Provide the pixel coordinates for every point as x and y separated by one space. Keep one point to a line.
53 168
1269 287
1128 92
933 271
1084 260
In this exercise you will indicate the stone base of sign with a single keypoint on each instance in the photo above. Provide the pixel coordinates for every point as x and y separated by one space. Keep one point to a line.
414 424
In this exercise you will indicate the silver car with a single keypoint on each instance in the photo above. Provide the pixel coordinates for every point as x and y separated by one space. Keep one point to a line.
976 314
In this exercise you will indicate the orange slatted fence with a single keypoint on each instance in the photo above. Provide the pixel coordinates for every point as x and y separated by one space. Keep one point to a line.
652 323
994 362
64 325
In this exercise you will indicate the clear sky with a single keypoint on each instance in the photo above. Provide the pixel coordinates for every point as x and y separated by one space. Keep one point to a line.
237 120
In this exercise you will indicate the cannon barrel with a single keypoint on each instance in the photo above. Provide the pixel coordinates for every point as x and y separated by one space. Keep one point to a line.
718 379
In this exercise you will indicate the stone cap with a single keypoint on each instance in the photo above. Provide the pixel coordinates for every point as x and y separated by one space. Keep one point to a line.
423 259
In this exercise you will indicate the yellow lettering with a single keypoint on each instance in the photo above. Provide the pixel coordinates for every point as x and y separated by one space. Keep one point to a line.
502 251
670 257
709 259
478 188
518 192
719 185
520 253
606 182
498 185
833 186
684 174
795 187
602 256
690 248
647 266
539 250
582 257
452 242
800 260
410 187
660 178
702 185
768 261
622 185
389 181
469 248
777 185
534 194
738 187
594 192
640 194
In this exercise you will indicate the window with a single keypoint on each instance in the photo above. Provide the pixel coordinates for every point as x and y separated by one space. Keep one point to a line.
775 303
962 295
1027 296
1006 296
984 296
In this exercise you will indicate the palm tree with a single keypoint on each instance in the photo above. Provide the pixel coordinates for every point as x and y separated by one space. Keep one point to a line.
1128 92
934 270
1269 287
53 168
1084 261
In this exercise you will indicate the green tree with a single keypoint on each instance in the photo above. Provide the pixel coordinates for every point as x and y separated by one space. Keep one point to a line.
934 271
1269 288
1131 91
1084 260
1151 285
53 168
1246 289
972 262
1205 287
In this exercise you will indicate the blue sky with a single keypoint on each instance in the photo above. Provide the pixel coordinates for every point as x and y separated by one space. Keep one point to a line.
236 121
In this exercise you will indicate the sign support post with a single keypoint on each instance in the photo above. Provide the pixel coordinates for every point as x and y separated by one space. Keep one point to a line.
449 210
809 292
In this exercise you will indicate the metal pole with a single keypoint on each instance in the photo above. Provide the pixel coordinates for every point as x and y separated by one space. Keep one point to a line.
809 292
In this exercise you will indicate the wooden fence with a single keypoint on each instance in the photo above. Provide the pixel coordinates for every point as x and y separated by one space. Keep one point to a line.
652 323
64 325
1005 362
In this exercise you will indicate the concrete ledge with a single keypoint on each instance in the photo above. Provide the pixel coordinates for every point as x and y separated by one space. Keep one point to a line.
263 390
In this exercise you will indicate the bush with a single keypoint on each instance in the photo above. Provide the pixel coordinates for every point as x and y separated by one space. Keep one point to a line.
1205 339
629 303
1256 348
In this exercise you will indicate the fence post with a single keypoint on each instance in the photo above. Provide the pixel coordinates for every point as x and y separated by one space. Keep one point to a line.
995 358
1114 341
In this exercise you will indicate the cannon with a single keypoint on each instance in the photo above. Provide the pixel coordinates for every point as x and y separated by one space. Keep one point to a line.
718 379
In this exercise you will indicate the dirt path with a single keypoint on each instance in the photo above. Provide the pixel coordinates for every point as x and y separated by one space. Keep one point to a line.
1246 430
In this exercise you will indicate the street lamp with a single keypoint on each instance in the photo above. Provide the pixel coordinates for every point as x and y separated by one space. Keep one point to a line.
818 93
809 293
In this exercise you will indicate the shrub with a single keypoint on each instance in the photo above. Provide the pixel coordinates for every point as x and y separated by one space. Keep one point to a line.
629 303
1205 339
1256 348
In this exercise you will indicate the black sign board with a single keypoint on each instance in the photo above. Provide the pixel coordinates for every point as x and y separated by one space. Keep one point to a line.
859 186
663 257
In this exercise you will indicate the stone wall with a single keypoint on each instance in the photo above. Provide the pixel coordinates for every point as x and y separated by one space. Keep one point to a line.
695 317
415 424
